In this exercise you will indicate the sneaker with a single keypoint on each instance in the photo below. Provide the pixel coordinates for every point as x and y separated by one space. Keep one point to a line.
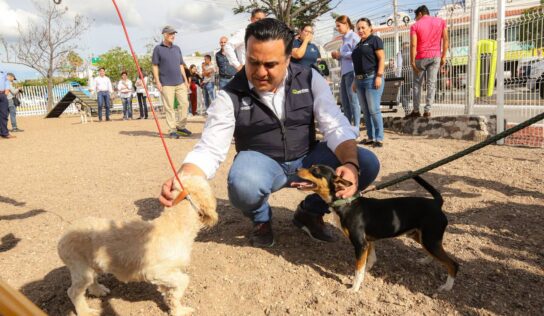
262 235
174 135
17 130
377 144
427 114
184 132
312 224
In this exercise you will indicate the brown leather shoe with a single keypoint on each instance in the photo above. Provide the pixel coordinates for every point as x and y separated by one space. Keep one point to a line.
262 235
312 224
427 114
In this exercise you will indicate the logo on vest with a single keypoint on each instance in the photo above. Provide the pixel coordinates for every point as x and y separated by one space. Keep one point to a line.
301 91
246 104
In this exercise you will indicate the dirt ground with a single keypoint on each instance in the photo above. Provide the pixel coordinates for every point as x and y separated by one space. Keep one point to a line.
59 170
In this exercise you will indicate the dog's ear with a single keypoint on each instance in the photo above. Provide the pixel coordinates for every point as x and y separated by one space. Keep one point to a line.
340 183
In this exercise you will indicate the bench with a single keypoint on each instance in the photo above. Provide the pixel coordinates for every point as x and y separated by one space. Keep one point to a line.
391 92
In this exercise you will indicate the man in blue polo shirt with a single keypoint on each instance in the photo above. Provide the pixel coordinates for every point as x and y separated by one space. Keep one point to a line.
4 107
171 81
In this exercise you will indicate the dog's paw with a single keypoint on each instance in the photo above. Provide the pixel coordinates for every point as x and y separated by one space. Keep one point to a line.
98 290
447 286
182 311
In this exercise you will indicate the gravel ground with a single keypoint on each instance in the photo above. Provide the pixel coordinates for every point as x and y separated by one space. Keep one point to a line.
59 170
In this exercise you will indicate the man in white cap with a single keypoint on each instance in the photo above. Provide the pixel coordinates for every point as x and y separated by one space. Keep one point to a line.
170 79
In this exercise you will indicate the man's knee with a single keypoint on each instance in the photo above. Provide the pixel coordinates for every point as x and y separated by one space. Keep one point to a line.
245 189
370 167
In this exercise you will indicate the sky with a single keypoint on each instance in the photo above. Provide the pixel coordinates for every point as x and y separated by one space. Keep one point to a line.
200 22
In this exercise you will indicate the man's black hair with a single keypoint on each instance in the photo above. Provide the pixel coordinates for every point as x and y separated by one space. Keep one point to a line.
257 11
101 68
422 9
271 29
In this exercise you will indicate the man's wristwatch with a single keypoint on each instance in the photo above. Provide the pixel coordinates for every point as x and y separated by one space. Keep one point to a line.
379 75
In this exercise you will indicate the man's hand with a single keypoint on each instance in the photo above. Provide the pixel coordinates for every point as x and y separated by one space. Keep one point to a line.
415 69
442 61
348 172
353 86
167 198
159 86
335 54
239 67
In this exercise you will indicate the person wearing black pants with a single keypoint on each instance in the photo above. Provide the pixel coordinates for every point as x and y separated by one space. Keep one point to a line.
4 132
140 93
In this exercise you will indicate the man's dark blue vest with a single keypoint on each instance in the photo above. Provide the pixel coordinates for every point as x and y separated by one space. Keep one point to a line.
259 129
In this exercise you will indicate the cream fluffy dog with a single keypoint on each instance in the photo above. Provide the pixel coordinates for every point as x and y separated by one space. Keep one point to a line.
152 251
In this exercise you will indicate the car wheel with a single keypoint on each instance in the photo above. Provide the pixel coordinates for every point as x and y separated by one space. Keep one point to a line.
389 22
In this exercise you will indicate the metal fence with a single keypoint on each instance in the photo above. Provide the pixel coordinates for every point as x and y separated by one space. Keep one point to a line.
523 64
34 100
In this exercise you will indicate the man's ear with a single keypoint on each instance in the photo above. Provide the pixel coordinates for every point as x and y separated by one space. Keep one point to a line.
340 183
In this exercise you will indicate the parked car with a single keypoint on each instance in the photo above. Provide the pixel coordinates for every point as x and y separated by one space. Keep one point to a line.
524 68
401 18
535 80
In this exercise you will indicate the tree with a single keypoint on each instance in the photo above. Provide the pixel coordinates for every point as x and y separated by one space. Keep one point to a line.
117 60
44 44
74 62
295 13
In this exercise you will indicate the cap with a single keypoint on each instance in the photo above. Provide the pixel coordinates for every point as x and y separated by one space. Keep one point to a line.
11 74
169 29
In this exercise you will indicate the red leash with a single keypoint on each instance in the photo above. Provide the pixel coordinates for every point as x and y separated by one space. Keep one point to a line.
183 193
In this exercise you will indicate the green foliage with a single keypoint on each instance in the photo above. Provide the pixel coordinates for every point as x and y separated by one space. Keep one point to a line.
295 13
41 82
117 60
81 81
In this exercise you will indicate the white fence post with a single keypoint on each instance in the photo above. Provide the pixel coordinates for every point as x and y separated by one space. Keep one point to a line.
473 48
500 66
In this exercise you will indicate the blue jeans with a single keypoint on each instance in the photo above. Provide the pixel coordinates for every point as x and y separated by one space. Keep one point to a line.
370 99
350 103
12 114
254 176
209 93
223 82
127 107
103 99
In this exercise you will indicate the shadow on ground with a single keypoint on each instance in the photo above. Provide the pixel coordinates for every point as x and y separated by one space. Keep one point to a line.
156 134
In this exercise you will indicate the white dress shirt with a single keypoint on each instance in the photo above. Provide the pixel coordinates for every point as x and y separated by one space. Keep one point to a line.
235 49
103 84
124 88
216 139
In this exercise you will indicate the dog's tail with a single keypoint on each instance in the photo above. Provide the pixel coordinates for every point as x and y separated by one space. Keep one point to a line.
436 195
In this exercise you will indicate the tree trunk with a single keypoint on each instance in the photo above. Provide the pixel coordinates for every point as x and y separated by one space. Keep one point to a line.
50 99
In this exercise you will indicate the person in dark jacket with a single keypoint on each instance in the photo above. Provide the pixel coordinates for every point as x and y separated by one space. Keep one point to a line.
270 108
226 70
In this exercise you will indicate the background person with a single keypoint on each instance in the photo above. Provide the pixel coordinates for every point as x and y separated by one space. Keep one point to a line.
196 81
4 106
140 94
274 133
104 89
368 62
427 37
124 88
226 70
404 69
350 102
169 74
208 81
235 49
12 96
304 51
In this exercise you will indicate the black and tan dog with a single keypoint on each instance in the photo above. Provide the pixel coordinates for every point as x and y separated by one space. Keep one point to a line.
364 220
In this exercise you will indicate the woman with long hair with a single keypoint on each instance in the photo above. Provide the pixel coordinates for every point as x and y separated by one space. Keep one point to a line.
350 103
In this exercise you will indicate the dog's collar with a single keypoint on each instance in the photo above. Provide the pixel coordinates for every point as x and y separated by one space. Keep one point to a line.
342 202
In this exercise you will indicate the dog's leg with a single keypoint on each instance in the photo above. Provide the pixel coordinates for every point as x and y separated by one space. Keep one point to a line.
361 254
82 276
173 284
97 289
434 247
371 256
